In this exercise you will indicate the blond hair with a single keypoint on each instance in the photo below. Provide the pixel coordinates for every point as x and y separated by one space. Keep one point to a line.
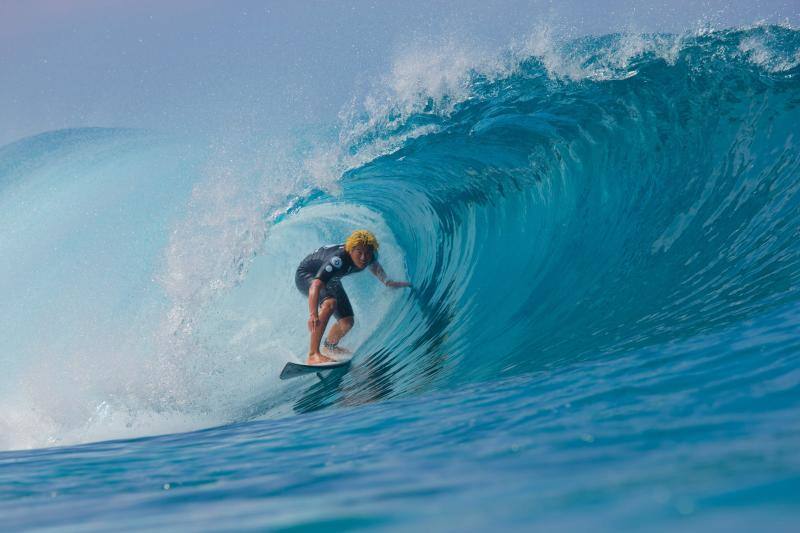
361 237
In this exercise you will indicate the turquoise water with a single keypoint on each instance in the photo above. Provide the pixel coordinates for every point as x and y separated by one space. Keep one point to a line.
603 332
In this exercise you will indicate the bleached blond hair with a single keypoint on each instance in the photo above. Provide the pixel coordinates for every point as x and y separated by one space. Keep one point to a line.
361 237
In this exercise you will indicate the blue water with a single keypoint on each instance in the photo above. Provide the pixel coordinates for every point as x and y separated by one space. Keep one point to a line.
604 331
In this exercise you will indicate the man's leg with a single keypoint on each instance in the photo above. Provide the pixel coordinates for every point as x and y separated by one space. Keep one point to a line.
344 314
340 329
325 312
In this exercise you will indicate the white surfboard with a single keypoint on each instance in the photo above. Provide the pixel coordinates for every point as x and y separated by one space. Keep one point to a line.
293 370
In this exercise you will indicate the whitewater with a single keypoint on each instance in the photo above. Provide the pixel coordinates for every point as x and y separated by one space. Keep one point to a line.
603 235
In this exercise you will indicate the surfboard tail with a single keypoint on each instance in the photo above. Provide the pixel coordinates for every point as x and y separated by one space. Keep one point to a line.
293 370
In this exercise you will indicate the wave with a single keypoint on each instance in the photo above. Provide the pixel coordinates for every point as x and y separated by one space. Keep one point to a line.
559 202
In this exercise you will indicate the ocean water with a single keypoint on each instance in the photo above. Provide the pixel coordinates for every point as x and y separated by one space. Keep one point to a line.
604 331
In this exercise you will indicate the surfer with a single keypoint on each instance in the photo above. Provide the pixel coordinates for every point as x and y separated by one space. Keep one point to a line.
319 276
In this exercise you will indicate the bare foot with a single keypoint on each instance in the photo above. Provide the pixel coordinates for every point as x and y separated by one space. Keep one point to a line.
336 351
318 358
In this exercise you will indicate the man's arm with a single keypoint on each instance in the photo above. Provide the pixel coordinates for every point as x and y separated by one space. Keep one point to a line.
377 270
313 303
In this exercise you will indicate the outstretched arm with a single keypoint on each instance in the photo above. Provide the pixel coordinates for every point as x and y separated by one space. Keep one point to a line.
377 270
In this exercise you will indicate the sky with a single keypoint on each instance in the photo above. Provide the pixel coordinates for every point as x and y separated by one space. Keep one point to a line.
207 66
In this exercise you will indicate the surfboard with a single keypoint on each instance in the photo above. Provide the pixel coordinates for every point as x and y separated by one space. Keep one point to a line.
294 370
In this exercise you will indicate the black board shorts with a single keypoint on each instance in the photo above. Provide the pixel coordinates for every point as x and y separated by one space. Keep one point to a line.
332 289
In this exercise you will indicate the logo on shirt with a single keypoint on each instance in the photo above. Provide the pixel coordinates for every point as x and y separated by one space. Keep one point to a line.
336 262
328 268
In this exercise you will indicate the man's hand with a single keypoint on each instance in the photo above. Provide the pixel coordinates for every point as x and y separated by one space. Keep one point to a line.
313 323
397 284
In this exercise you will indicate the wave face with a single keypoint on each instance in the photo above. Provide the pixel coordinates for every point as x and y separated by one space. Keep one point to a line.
559 205
632 194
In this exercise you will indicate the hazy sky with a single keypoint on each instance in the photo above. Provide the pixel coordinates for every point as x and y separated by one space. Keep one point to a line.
205 65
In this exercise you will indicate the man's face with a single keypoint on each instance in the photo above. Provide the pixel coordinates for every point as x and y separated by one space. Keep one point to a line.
361 255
